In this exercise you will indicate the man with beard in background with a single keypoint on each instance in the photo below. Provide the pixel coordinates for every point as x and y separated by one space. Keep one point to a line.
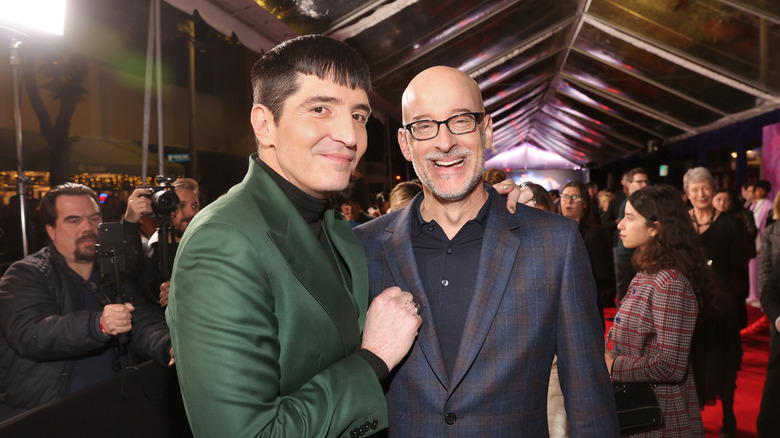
58 324
155 284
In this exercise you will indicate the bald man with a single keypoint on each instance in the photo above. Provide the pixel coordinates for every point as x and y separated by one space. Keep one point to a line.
500 294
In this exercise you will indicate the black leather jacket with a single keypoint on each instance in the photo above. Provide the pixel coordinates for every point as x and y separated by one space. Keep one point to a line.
45 325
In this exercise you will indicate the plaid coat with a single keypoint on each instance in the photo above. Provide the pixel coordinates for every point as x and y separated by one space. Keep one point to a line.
651 337
535 297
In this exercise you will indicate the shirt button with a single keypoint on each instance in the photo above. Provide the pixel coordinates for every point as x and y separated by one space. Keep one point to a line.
450 418
449 250
430 227
445 283
617 320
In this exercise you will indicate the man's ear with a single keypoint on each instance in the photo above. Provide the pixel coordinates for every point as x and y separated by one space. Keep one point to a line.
263 125
405 148
50 231
487 138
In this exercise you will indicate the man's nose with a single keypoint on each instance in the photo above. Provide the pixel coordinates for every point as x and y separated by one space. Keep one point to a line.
343 130
445 140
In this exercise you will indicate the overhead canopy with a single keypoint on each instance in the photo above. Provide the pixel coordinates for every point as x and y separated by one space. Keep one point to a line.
591 80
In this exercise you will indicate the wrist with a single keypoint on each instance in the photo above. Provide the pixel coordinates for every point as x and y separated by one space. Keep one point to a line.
102 329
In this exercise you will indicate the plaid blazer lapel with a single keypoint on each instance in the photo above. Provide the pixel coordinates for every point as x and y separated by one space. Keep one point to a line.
403 269
497 259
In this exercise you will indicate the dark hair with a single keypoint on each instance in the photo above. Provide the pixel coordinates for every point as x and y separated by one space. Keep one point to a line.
764 184
734 203
49 201
275 74
542 199
587 220
636 171
677 244
354 192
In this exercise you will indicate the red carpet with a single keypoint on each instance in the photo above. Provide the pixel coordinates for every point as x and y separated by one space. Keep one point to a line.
750 383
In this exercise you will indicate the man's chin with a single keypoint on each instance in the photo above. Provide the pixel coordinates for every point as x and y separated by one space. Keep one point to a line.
87 258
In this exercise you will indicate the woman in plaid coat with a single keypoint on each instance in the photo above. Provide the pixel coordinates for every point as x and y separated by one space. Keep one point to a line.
652 332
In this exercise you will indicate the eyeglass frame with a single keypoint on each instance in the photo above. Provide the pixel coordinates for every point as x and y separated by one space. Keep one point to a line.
478 117
572 198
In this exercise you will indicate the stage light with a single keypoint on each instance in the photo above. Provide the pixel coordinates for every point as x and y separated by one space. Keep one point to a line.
40 15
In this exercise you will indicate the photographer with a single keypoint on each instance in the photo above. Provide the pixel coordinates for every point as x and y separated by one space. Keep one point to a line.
154 278
59 325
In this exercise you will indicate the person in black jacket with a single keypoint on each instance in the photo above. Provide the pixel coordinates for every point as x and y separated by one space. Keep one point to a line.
575 204
59 325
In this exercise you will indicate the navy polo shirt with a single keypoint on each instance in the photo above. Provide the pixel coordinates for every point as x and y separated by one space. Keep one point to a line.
448 269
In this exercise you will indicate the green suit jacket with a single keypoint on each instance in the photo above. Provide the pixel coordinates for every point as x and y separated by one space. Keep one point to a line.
263 327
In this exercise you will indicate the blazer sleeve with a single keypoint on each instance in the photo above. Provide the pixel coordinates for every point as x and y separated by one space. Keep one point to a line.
583 374
674 310
226 344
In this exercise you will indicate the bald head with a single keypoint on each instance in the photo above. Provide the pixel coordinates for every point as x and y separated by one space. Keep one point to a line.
427 88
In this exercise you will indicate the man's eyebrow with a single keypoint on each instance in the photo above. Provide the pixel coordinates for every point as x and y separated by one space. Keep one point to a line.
363 107
336 100
454 112
321 99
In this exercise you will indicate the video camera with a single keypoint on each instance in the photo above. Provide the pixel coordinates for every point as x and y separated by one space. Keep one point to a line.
163 196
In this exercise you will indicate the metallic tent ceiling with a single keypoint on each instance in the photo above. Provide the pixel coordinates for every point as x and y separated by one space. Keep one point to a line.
593 81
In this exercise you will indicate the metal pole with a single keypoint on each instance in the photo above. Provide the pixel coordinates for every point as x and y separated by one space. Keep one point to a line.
147 94
193 150
14 60
158 55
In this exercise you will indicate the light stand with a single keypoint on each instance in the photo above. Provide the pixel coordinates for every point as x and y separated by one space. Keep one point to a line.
23 19
20 178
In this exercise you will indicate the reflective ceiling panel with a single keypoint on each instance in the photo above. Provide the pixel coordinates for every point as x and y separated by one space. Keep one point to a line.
580 98
309 16
592 85
501 34
631 89
722 36
651 68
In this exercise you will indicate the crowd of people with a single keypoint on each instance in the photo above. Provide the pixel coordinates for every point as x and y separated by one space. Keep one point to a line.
459 303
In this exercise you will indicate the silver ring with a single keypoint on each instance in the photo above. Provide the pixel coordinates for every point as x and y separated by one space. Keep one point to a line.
416 307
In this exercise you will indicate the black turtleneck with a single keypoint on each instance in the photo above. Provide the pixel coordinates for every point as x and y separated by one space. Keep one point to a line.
313 210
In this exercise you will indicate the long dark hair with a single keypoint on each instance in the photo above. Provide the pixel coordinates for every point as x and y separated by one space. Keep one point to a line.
677 244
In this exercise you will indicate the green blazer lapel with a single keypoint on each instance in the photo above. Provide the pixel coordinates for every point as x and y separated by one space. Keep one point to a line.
352 261
296 242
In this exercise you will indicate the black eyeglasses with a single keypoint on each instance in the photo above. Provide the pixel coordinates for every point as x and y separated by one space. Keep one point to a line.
572 198
458 124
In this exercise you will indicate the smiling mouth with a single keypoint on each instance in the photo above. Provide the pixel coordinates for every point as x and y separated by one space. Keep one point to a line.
453 163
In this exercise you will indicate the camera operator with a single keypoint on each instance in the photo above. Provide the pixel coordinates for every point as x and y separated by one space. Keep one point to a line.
154 279
59 326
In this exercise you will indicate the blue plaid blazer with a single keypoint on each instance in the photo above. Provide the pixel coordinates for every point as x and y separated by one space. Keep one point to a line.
534 299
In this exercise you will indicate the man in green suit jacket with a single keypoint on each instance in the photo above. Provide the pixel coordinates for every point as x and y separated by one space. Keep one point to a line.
269 293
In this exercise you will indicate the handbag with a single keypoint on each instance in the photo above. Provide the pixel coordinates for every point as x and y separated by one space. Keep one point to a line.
637 405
